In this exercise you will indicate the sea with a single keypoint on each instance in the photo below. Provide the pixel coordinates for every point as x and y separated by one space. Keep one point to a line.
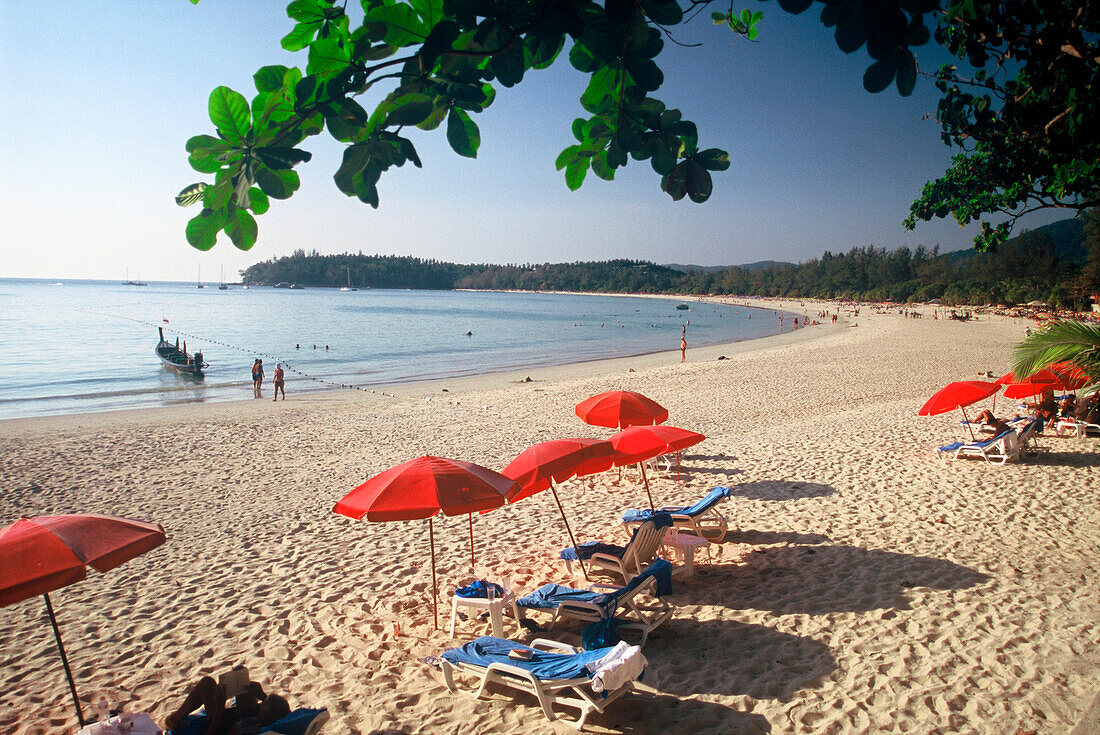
82 346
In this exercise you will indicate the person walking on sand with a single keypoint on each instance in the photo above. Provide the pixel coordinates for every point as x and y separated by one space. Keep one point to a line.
683 345
257 375
278 382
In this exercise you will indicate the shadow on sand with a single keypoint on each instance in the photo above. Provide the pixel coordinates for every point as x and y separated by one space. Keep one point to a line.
814 580
782 490
754 660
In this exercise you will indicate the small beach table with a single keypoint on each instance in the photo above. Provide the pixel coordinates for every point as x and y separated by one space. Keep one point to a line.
683 546
143 725
494 606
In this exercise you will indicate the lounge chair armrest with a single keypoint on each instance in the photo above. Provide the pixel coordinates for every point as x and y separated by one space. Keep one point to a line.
548 645
603 585
606 558
582 606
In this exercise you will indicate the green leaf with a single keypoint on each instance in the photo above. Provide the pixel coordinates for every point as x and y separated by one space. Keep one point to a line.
301 36
270 78
794 7
258 201
713 159
463 134
850 33
230 115
645 73
280 158
207 153
241 228
879 75
663 12
697 182
203 229
675 184
191 194
509 66
907 72
436 117
575 172
409 109
277 184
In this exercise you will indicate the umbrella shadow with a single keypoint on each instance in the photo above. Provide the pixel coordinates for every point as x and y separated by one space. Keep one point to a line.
732 658
1064 459
825 579
766 538
646 712
782 490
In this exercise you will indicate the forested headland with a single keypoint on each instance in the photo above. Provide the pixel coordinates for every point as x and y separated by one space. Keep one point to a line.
1058 264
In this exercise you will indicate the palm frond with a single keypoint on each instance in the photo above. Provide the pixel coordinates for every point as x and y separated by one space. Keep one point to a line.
1061 341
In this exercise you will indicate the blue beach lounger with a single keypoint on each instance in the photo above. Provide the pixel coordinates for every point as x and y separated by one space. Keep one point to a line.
626 561
701 519
624 603
998 450
558 675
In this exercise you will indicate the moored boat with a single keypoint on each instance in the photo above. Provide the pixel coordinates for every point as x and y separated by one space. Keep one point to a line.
178 359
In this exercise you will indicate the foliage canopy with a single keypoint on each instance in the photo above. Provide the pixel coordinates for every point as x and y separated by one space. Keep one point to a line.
1026 119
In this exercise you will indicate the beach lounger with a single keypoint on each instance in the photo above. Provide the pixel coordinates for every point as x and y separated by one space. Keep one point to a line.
637 604
1074 427
558 675
998 450
701 519
625 561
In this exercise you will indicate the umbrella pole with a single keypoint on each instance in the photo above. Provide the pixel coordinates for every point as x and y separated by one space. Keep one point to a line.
471 515
435 587
972 437
569 531
64 660
641 466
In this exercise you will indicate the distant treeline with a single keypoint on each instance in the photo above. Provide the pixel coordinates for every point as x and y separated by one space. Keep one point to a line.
1032 266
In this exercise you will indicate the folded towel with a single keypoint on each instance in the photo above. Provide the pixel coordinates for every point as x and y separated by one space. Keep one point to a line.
620 665
480 588
708 501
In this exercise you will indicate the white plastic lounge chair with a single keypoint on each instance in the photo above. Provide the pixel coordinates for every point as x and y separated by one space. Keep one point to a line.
625 561
637 604
998 450
701 519
1069 426
556 674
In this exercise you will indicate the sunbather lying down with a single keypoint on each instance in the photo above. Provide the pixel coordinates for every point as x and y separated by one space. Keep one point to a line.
252 709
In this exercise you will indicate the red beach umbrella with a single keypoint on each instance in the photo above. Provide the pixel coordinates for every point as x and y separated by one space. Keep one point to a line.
1070 376
423 487
541 465
1037 382
618 409
40 555
636 444
958 394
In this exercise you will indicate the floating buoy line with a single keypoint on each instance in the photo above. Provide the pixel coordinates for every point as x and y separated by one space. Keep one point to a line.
246 351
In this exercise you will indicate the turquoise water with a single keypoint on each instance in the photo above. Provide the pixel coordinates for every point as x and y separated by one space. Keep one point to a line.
84 346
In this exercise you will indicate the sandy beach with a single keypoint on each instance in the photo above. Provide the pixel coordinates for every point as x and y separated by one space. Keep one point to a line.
871 587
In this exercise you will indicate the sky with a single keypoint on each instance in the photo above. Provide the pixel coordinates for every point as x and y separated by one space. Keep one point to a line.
98 100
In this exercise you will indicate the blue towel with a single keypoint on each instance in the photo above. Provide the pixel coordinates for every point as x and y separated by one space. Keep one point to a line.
709 501
955 445
479 588
588 548
543 664
549 596
293 724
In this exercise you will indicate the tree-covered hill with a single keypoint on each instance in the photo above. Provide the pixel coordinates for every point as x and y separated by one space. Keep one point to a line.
1050 264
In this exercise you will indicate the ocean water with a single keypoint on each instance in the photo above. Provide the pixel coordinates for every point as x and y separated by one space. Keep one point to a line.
85 346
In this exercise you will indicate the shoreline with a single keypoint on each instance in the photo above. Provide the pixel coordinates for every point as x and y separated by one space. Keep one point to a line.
463 383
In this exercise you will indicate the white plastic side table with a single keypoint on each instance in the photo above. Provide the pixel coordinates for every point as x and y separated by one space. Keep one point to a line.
683 545
495 608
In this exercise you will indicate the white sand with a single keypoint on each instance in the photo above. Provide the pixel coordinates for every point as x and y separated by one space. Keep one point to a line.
872 587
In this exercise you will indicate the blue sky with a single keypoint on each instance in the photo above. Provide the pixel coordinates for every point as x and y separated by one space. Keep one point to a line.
99 99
